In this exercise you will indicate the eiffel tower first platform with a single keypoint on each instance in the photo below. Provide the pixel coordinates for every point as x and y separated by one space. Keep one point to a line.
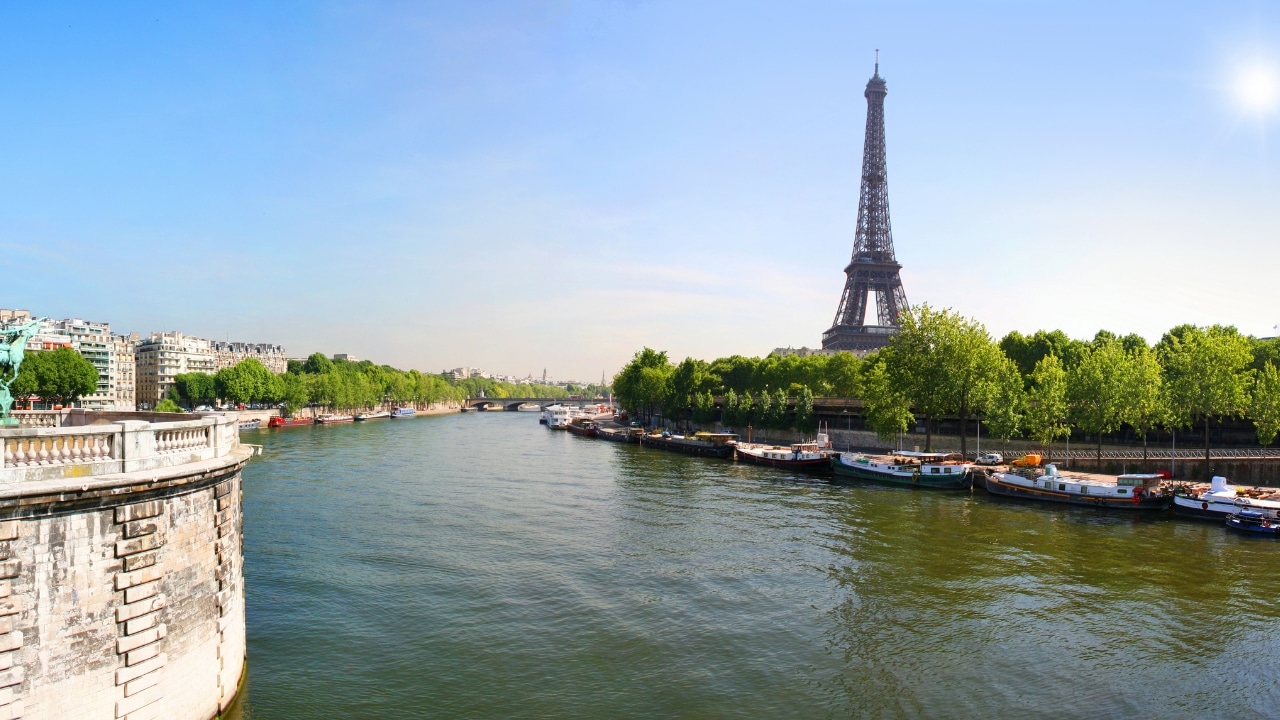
873 267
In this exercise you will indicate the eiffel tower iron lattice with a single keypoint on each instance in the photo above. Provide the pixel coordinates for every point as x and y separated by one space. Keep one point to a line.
873 267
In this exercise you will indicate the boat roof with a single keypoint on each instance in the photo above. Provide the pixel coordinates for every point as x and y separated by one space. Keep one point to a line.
922 455
1140 476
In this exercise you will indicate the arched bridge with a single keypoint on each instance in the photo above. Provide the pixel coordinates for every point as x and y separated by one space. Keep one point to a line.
511 404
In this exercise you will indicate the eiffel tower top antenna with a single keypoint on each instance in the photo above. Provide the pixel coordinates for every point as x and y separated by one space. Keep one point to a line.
877 73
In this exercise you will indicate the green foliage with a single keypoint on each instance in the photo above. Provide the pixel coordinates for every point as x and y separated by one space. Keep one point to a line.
1096 388
748 410
1047 401
1265 407
644 384
167 405
56 376
704 407
317 364
245 382
941 364
1007 408
804 412
1144 405
1207 371
888 410
195 388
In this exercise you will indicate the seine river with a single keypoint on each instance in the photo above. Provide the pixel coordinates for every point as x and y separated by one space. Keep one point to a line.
482 566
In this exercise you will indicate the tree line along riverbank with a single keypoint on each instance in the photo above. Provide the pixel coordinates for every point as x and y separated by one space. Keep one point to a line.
341 385
942 365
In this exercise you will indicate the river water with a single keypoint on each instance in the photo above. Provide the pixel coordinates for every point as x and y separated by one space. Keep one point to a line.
480 566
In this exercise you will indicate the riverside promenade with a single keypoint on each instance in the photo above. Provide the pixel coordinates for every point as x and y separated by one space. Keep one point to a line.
121 573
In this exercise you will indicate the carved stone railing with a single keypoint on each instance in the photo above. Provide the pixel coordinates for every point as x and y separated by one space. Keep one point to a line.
77 443
72 447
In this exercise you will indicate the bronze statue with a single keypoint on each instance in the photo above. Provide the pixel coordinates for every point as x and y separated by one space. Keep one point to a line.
13 341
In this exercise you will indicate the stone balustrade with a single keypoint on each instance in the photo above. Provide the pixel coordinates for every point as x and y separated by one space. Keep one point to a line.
60 444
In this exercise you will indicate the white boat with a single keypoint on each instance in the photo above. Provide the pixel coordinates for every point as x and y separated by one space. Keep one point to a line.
403 412
1120 492
528 407
1220 499
376 415
558 416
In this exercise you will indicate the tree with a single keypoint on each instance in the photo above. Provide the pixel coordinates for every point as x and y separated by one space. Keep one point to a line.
704 407
195 387
942 363
1265 408
1025 351
843 375
1144 404
1096 388
729 412
644 383
167 405
1008 404
686 382
779 419
1208 375
61 376
804 412
888 412
1047 402
317 364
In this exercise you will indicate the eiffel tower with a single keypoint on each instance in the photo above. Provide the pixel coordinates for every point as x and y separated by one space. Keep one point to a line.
873 267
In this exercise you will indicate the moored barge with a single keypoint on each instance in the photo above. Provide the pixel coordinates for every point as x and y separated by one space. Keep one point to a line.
1124 492
584 427
810 456
703 443
934 471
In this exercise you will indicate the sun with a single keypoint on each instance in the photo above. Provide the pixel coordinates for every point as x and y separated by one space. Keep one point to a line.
1255 86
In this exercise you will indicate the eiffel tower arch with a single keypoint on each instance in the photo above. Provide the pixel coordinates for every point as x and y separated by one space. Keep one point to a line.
873 267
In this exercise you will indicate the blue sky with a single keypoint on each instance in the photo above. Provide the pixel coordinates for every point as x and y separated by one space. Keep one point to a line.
520 185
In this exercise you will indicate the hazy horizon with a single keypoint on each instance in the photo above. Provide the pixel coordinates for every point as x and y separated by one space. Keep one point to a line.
518 186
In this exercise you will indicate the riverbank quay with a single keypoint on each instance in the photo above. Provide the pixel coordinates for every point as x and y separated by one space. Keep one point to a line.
121 587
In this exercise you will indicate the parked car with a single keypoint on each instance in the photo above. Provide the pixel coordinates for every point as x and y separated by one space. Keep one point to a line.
990 459
204 408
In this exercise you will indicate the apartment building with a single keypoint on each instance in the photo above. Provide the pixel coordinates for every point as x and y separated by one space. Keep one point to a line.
165 355
126 371
231 353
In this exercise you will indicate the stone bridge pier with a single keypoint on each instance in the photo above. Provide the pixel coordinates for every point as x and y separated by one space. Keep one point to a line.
121 571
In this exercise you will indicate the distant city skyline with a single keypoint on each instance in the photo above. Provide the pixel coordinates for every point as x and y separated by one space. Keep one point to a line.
521 184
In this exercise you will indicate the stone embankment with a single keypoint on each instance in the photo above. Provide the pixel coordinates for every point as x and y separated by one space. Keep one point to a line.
121 580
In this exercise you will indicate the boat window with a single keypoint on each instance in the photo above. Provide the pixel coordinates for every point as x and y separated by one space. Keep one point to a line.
1120 491
1062 486
1084 489
936 471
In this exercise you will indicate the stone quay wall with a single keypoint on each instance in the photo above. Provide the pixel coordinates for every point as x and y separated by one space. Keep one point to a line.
121 566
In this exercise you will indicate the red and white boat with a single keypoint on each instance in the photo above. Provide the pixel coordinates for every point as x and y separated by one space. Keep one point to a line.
583 426
284 422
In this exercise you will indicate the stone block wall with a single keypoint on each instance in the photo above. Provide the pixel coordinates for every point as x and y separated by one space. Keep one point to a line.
128 607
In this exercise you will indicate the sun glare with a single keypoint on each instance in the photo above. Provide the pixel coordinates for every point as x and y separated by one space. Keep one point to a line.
1256 87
